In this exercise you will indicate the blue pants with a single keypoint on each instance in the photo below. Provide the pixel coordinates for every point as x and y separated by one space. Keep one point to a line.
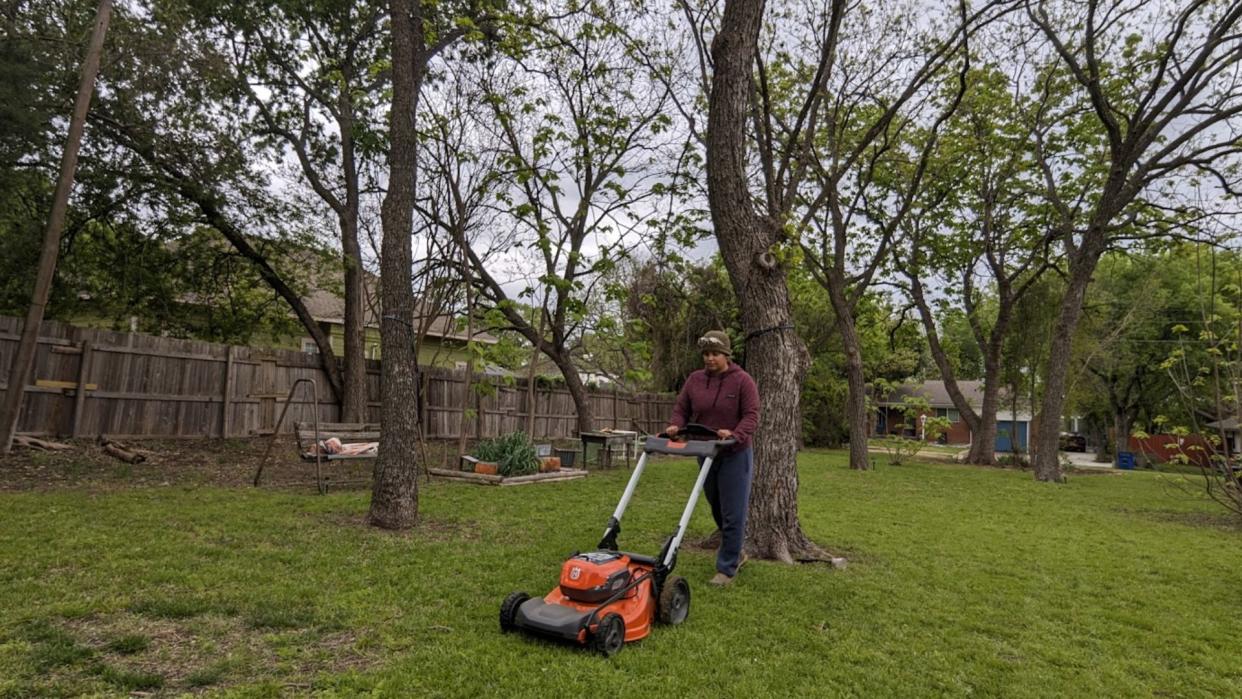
728 492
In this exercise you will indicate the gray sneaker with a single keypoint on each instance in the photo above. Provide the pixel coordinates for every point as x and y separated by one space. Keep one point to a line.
720 580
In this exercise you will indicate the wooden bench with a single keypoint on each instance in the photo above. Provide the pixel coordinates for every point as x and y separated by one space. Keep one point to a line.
347 432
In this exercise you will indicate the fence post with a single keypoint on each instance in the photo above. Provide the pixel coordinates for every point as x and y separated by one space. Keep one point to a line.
479 413
226 403
79 399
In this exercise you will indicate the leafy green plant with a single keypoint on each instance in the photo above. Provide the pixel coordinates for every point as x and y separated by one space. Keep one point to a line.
916 412
514 454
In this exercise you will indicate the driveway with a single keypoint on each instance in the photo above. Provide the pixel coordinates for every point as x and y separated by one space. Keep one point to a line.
1085 460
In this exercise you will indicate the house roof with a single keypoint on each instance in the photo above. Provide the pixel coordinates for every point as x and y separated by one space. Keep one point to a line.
937 395
1226 424
327 307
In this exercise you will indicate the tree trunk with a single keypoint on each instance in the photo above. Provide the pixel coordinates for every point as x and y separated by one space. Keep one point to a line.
354 380
856 399
462 437
983 442
778 358
394 493
530 382
1101 449
1047 466
577 391
23 360
982 446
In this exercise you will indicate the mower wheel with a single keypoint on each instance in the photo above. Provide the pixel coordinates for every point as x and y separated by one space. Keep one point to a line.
609 636
674 604
508 610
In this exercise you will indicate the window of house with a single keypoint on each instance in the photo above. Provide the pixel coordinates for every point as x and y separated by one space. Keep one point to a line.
460 366
950 413
309 346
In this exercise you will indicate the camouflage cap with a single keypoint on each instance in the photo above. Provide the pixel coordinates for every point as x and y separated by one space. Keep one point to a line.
716 341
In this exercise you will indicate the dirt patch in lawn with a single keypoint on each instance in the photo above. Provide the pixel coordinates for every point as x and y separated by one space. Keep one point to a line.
180 462
136 653
1214 520
428 529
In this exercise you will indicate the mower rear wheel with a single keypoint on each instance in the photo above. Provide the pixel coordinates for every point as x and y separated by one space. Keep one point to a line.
609 636
674 604
508 610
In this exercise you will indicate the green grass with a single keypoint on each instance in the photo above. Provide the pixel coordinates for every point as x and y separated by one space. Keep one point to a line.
962 581
130 644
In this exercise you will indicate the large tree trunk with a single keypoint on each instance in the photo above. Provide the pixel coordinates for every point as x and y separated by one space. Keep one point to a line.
394 493
777 358
1047 465
23 360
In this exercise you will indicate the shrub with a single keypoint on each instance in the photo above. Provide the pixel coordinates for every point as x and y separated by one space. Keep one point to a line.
514 454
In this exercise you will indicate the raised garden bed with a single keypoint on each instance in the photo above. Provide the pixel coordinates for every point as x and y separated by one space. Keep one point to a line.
565 474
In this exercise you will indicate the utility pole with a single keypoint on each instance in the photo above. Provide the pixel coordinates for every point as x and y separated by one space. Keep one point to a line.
23 362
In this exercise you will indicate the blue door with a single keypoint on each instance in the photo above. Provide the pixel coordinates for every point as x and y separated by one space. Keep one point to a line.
1005 434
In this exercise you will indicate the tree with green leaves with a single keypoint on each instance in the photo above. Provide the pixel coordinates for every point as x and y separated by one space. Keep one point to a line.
579 138
172 128
314 75
1154 146
853 169
974 220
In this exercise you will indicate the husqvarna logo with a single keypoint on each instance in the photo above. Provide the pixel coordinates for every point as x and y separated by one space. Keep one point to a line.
575 573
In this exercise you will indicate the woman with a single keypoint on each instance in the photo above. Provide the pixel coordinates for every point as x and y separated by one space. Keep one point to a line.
722 395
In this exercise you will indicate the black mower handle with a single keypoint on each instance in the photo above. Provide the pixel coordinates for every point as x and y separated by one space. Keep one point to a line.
694 431
695 440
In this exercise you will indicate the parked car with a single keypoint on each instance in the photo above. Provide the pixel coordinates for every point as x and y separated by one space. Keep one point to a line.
1072 441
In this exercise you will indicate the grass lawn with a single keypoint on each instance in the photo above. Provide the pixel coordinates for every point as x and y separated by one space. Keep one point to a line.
962 581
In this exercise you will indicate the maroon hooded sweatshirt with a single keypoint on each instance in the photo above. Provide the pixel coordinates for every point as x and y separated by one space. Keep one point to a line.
725 401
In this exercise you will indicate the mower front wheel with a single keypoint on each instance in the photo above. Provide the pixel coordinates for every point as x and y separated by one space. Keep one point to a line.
674 604
609 636
508 610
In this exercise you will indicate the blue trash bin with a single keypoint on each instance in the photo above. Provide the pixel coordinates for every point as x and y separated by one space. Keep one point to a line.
1125 460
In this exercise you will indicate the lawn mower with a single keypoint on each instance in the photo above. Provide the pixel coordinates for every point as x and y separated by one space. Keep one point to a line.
609 597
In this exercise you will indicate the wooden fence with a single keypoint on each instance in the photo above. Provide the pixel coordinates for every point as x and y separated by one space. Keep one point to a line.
89 382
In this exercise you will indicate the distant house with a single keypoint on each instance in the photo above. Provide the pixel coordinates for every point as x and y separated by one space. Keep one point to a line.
889 419
443 345
190 313
1230 428
546 369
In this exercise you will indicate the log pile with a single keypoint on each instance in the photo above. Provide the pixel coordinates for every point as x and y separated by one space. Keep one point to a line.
122 452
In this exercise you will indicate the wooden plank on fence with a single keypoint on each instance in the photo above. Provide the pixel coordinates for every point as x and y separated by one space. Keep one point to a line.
164 354
62 385
79 400
42 340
